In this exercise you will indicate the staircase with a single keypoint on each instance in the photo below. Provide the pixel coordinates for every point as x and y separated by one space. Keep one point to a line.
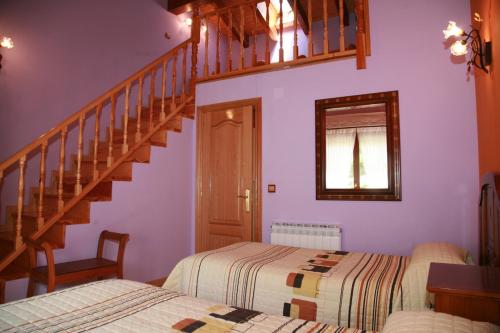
97 145
108 136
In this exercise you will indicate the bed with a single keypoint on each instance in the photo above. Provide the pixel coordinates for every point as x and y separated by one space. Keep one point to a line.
126 306
358 290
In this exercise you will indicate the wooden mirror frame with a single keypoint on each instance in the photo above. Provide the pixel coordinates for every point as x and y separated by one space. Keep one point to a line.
393 192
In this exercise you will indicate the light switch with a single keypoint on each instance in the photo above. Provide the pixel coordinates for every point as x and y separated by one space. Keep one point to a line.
271 188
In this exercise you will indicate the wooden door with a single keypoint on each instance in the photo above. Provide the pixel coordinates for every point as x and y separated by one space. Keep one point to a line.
227 169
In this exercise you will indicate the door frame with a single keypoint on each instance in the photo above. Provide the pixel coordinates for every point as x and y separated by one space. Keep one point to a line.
256 103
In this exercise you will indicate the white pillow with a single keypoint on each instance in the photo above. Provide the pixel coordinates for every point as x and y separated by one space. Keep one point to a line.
414 285
434 322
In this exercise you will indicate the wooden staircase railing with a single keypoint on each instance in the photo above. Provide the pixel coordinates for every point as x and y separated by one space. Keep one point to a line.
231 22
176 92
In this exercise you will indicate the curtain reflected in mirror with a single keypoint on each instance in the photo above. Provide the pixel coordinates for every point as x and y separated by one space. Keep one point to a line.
356 137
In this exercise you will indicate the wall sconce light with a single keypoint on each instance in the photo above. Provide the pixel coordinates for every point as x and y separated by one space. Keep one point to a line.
7 43
481 52
188 21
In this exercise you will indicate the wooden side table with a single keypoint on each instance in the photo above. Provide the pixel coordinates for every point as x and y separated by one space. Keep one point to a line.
467 291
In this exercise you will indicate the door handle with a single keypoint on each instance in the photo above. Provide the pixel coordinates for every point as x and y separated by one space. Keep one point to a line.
247 199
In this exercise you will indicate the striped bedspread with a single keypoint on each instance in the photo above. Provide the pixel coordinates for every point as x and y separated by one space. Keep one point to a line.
356 290
125 306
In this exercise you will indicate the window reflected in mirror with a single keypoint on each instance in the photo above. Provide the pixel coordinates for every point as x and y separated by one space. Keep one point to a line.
356 147
357 143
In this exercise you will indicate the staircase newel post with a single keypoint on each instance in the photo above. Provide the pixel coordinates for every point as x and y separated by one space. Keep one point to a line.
360 34
195 37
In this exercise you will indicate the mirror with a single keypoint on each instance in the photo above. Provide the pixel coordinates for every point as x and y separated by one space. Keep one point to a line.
357 148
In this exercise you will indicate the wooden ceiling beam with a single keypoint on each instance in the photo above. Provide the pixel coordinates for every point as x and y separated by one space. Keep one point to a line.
302 16
271 32
346 12
235 28
236 24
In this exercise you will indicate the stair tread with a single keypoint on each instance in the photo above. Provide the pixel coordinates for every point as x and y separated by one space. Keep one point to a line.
65 195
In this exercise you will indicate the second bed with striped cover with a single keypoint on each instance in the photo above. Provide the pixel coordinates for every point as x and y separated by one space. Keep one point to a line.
356 290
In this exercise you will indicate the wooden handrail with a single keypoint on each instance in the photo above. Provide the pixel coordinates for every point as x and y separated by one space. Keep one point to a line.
87 108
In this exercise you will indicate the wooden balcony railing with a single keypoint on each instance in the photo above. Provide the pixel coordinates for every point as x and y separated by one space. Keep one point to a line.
120 103
245 24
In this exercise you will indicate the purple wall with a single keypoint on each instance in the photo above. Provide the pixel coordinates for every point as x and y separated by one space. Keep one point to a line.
438 132
67 53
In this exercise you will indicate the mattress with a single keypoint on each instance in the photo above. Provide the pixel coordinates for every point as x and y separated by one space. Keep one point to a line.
127 306
356 290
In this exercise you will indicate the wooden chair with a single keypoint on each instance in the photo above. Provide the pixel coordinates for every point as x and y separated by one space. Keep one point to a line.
75 271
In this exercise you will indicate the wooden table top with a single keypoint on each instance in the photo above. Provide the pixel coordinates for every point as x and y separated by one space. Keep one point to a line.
466 280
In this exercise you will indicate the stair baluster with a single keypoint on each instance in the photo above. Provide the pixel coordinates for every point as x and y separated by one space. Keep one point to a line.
254 35
174 80
282 52
217 50
230 42
62 157
125 119
41 184
139 109
268 28
310 51
18 241
205 66
325 27
341 20
184 74
151 96
78 184
111 130
163 88
295 38
242 37
96 140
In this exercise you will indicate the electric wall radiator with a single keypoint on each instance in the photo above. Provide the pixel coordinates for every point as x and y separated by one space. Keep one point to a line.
313 236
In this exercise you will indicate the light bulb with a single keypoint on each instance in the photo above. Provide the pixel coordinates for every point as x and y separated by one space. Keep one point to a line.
452 30
7 42
188 21
459 48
